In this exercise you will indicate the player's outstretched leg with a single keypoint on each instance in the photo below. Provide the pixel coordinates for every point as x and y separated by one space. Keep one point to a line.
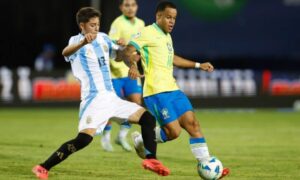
122 136
147 122
66 149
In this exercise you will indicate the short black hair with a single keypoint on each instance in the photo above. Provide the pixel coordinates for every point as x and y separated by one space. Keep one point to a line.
122 1
85 14
163 5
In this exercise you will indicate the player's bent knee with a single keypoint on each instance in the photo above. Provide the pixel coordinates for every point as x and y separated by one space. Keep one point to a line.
83 140
137 101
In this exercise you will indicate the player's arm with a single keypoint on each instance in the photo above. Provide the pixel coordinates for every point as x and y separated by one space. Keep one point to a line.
185 63
130 56
72 48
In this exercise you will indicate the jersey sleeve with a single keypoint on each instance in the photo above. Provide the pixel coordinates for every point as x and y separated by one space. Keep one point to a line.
73 56
113 47
140 40
114 32
142 23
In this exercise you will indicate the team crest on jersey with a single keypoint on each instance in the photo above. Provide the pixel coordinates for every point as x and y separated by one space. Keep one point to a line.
88 52
165 113
89 120
170 48
105 48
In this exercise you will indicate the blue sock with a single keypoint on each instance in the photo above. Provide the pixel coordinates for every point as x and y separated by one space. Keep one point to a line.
108 127
160 135
163 135
126 125
124 129
197 140
106 132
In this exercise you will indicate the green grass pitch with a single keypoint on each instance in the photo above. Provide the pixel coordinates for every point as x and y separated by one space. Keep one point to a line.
254 145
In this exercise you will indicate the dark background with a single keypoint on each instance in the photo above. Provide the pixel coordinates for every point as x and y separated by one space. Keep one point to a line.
257 34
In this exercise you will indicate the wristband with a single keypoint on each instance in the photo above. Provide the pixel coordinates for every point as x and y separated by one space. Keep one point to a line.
197 65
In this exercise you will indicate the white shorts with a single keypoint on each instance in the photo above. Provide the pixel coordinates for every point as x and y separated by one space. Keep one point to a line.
95 112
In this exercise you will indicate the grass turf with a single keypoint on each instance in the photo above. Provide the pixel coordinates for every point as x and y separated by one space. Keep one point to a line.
255 145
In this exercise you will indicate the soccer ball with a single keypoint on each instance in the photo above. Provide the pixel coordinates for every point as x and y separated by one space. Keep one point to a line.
210 169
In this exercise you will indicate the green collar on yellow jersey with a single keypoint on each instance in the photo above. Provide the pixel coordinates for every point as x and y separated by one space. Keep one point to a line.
126 19
159 29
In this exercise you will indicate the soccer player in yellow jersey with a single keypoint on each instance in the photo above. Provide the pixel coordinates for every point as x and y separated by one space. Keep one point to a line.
122 30
167 103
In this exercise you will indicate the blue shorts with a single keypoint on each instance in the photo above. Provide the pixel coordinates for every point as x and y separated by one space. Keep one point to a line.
124 87
168 106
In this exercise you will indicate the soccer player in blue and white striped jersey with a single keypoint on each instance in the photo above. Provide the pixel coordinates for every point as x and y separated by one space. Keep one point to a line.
88 54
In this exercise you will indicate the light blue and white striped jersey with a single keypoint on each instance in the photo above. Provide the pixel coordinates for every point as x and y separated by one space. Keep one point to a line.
90 65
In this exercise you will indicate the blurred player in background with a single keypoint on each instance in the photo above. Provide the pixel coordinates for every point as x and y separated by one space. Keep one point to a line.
88 53
121 31
168 104
45 60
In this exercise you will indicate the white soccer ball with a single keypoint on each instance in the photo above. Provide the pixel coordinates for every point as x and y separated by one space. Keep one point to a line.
210 169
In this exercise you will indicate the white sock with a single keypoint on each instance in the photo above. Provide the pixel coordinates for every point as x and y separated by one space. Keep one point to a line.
123 132
106 136
98 132
139 139
199 148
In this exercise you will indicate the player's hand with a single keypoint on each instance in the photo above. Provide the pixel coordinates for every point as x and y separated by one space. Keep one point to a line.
207 67
135 57
134 73
121 42
89 37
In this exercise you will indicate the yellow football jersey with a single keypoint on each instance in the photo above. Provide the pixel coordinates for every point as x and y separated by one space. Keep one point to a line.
123 28
156 48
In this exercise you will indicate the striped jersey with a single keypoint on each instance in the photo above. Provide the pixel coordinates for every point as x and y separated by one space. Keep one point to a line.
90 65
